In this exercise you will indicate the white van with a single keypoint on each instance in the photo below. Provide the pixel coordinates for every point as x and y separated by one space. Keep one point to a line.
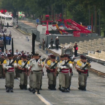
7 20
2 18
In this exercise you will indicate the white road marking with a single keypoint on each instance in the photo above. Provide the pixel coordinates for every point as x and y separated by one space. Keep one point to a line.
43 99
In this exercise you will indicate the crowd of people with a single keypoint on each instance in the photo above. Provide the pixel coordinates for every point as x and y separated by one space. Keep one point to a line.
22 64
54 44
6 38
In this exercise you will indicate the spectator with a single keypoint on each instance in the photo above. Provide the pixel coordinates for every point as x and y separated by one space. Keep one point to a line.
4 38
51 43
75 49
57 43
9 39
43 44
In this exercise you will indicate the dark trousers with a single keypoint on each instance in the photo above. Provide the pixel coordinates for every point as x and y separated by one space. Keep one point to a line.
57 46
51 45
75 52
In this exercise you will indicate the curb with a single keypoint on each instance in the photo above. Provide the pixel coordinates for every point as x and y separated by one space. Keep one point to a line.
21 31
98 73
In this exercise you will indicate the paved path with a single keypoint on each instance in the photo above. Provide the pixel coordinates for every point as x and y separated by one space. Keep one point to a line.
95 94
29 23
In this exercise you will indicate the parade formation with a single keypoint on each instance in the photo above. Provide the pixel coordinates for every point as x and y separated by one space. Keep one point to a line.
52 52
21 65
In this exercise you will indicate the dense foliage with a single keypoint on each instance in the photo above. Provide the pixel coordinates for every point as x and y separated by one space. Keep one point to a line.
78 10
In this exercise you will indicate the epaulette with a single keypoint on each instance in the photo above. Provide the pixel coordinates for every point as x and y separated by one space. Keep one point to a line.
20 62
70 62
4 62
49 62
60 61
79 63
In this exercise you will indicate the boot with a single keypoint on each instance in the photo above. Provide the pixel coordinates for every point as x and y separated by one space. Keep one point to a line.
80 87
11 89
59 87
38 91
40 87
25 87
30 89
7 89
34 91
54 87
49 87
67 90
63 89
21 87
83 88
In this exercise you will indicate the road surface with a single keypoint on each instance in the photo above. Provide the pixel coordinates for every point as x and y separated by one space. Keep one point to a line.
95 94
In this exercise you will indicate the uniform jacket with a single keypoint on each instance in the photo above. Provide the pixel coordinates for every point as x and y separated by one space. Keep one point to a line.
80 64
22 63
7 62
35 65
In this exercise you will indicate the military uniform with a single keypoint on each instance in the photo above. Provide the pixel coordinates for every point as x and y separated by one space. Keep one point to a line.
70 72
9 65
65 74
51 73
23 72
17 70
82 75
65 68
1 67
60 75
36 69
30 79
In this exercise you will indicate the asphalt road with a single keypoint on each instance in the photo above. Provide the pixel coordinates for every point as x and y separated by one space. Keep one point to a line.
95 94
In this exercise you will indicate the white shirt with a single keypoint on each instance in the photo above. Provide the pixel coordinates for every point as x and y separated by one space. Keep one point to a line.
23 63
7 66
35 65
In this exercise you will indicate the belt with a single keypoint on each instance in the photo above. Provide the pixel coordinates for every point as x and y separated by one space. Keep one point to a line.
37 71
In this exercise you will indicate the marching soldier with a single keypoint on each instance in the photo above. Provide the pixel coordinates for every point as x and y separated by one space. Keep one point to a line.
59 64
43 62
9 65
70 70
23 66
36 69
65 68
17 70
51 67
82 67
30 76
48 58
1 67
